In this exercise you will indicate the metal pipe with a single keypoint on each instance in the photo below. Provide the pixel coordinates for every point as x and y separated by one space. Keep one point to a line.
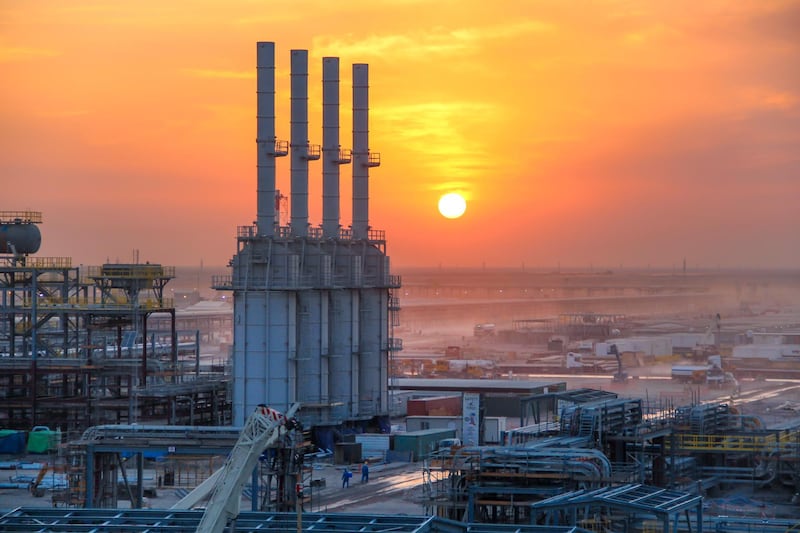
299 143
556 455
265 138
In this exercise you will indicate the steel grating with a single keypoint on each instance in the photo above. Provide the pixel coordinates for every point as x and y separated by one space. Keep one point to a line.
634 497
179 521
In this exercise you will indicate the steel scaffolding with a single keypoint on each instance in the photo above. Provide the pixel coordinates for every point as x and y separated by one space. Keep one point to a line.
76 350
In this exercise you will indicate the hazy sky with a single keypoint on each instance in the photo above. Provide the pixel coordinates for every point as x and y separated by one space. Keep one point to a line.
599 133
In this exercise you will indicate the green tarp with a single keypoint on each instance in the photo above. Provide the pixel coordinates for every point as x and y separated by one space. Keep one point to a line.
42 441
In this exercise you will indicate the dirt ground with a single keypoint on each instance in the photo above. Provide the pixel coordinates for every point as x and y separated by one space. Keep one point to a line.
392 489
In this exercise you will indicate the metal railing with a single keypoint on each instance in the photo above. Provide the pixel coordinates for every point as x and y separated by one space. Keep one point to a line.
48 262
19 217
133 271
222 281
373 159
314 152
376 236
739 443
394 344
345 156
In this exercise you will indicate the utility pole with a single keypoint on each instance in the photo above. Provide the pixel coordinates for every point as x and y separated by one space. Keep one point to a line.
298 498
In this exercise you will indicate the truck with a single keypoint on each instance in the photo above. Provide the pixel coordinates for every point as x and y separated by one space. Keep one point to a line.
711 373
483 330
574 361
689 373
574 364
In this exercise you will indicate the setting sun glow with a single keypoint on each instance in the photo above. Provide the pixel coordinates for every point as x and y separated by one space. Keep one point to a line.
563 123
452 205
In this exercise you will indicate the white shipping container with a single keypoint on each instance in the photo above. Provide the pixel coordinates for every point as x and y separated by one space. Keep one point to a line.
773 352
645 345
689 341
493 429
419 423
373 444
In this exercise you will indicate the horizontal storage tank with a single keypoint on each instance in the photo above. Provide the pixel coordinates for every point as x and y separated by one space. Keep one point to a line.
19 238
421 443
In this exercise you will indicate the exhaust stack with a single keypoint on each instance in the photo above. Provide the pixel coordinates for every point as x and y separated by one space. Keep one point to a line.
299 143
265 138
360 150
330 147
331 152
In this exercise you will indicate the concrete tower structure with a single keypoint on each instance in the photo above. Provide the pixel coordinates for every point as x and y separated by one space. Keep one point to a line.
314 309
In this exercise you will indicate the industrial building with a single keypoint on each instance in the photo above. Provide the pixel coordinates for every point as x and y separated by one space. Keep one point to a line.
312 321
314 312
79 348
585 459
314 307
614 463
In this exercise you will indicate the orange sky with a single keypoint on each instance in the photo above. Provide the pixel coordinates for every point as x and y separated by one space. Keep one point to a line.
600 133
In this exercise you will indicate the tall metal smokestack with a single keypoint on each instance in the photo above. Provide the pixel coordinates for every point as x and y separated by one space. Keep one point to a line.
330 147
299 143
265 138
361 159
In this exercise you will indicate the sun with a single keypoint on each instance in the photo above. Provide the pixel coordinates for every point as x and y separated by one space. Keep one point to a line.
452 205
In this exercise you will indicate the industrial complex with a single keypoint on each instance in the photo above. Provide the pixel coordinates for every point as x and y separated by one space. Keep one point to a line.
510 405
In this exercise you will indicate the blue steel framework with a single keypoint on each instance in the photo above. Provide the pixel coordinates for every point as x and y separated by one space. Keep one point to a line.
171 521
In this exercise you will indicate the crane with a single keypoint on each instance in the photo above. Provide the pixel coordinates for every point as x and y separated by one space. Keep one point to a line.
35 489
620 376
707 345
262 428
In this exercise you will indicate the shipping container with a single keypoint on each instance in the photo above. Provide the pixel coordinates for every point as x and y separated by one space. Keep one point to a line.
509 405
421 443
772 352
493 429
373 444
346 453
435 406
651 346
685 343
